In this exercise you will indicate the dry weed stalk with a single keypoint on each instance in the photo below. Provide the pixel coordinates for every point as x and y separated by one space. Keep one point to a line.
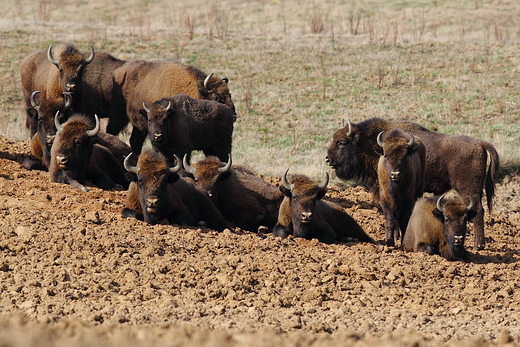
218 19
45 8
316 22
188 24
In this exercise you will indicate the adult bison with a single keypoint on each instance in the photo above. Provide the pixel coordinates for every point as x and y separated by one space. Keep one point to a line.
77 156
87 77
157 192
144 82
179 124
438 226
452 162
303 213
400 172
243 198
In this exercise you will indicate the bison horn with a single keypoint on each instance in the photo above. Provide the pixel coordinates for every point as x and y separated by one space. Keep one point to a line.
412 139
471 203
68 99
227 166
168 107
349 128
128 167
178 165
145 108
439 206
323 184
379 141
57 122
225 80
91 57
187 167
287 185
206 81
50 57
94 131
33 101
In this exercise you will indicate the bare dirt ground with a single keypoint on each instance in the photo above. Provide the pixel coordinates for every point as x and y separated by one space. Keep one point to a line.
74 272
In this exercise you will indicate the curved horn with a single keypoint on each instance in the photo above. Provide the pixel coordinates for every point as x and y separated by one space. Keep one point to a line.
68 99
471 203
91 57
412 139
33 101
287 185
57 122
323 184
50 57
168 107
206 81
94 131
145 108
227 166
379 141
439 207
128 167
187 167
178 165
349 128
225 79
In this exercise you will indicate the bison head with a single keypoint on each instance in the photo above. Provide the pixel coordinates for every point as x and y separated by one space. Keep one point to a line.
208 172
71 149
152 176
217 89
395 150
453 215
303 194
158 115
70 65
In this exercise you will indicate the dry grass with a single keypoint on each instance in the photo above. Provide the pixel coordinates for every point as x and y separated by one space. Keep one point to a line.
296 69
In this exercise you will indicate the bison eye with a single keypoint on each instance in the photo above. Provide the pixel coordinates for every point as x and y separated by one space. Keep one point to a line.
342 143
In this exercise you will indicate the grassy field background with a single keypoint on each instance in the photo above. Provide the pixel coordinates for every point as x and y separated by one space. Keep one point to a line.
297 69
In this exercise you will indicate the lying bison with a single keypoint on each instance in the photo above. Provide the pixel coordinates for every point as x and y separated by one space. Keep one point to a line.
452 162
243 198
157 192
77 155
438 226
179 124
401 179
144 82
303 213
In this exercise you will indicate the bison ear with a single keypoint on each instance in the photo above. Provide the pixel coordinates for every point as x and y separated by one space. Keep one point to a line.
378 150
321 193
471 214
173 177
285 191
31 112
143 113
438 214
413 148
130 176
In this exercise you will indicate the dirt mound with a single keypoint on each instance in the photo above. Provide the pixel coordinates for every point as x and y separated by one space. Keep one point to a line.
73 271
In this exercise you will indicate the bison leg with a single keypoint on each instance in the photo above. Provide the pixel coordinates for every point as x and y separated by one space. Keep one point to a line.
281 231
128 213
136 140
32 163
427 248
478 227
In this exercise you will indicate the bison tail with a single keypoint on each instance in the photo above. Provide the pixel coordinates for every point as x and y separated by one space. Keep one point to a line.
492 173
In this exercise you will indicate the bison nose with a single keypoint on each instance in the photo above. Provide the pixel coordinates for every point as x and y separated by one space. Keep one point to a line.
458 240
151 204
306 217
394 175
327 160
157 137
49 139
61 159
71 87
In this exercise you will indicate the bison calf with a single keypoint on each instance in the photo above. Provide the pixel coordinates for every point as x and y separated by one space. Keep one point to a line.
156 192
438 227
303 213
401 179
243 198
77 155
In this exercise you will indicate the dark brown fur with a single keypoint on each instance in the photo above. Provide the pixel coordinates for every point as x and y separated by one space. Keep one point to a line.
140 81
189 124
243 198
434 232
162 194
324 220
401 178
90 158
452 162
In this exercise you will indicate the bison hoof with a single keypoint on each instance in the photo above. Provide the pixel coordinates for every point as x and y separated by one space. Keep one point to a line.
263 230
202 223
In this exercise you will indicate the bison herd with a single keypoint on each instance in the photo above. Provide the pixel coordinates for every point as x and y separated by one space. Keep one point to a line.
179 108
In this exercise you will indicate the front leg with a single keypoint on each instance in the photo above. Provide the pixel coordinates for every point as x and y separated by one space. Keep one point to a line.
128 213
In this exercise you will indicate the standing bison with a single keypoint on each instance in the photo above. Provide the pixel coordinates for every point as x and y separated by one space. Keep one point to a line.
76 156
303 213
401 179
452 162
144 82
244 199
179 124
157 192
438 226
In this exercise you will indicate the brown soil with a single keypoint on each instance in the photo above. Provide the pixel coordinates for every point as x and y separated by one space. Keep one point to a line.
74 272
